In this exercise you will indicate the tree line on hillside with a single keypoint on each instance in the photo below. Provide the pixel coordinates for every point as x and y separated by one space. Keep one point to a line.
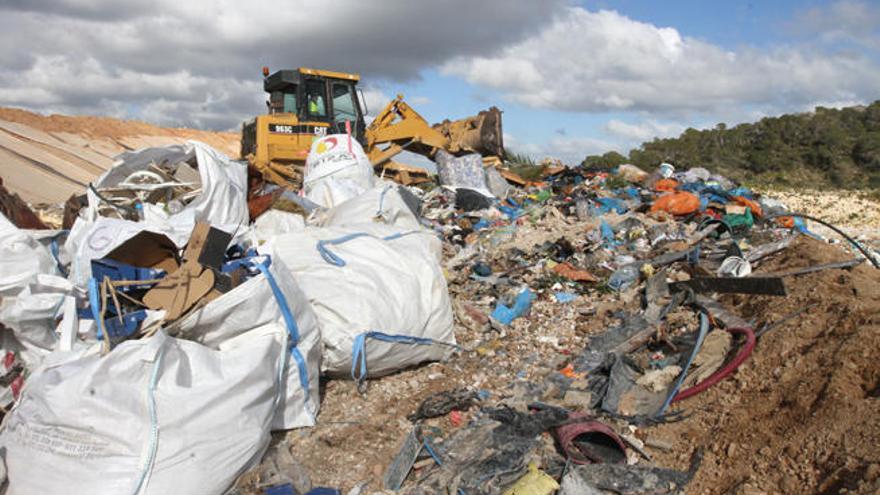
827 147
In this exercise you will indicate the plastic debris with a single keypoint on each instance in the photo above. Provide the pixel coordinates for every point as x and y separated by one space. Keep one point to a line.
162 272
534 482
564 297
505 315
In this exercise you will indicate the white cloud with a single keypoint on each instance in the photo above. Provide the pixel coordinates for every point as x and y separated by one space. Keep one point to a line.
570 149
515 145
843 21
604 61
419 101
198 62
643 131
375 99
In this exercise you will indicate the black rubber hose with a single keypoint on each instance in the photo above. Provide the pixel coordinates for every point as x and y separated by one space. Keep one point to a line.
832 227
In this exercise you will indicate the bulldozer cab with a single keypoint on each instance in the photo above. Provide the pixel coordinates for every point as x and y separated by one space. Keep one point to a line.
303 104
318 97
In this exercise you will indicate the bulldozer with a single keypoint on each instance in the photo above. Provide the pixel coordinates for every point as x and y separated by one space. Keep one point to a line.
307 103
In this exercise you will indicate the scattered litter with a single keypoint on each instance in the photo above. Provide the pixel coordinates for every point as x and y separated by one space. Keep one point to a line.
564 297
531 327
585 441
505 315
441 403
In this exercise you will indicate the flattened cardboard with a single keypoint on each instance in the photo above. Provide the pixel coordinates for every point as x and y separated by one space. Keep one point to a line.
196 279
147 250
181 290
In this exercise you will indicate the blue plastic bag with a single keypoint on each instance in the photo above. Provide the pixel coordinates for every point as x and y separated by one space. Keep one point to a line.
565 297
505 315
607 205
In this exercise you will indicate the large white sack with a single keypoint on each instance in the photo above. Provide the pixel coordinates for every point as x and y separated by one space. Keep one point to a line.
30 317
22 257
372 278
30 294
273 223
222 201
256 303
337 169
381 204
155 416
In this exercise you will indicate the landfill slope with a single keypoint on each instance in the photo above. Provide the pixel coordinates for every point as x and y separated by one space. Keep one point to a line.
48 158
803 414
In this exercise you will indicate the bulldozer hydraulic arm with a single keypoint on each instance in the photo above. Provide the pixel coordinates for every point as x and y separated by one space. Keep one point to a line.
398 127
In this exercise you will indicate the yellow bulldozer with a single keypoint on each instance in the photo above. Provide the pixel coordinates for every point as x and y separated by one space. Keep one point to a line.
305 103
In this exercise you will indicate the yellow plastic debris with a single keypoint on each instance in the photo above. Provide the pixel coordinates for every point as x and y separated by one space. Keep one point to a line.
535 482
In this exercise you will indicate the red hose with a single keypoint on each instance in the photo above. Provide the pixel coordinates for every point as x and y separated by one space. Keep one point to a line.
724 371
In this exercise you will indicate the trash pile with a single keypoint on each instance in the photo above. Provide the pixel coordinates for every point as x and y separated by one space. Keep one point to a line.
185 336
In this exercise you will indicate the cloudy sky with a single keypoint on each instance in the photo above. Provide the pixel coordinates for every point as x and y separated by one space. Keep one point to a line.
573 78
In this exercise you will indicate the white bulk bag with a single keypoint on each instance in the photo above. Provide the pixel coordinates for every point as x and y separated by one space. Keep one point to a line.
272 223
378 292
30 294
272 297
382 204
154 416
30 317
222 201
22 257
337 169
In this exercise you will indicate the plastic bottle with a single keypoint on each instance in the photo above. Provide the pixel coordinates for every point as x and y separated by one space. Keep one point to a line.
582 209
624 277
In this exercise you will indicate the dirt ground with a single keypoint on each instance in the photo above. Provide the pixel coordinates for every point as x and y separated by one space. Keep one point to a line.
106 127
803 414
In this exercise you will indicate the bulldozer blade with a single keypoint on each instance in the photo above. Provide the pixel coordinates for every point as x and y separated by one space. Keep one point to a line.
480 133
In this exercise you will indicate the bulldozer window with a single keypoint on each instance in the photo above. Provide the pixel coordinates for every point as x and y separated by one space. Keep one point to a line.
283 99
343 103
290 102
316 105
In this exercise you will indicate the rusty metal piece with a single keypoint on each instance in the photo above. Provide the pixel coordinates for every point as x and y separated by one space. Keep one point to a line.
17 211
513 178
72 206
